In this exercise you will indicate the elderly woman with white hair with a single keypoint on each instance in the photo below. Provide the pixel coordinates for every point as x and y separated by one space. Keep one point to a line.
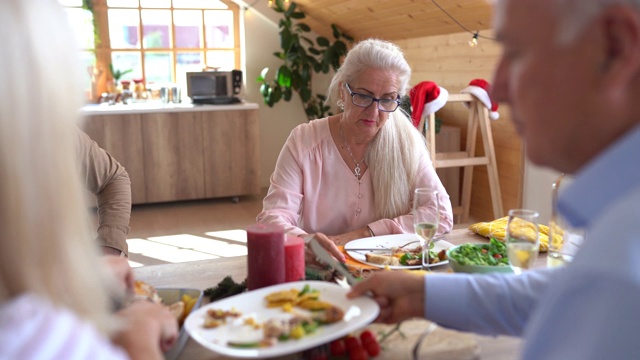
352 175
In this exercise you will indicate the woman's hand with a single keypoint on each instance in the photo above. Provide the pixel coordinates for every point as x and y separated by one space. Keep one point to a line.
326 243
149 329
343 239
400 294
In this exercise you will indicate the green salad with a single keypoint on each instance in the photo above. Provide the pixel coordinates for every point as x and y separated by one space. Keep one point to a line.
492 254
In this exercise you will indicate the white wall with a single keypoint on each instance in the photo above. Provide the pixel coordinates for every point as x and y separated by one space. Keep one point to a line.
262 39
537 189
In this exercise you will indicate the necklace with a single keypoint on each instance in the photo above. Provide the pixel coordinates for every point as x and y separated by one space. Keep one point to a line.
357 170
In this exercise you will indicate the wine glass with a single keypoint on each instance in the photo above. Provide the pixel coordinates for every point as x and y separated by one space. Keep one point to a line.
426 214
523 239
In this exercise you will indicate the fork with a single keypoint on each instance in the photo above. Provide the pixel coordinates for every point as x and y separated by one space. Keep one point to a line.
416 347
323 255
342 282
435 238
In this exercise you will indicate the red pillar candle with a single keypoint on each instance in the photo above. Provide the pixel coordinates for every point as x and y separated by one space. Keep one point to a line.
294 258
265 255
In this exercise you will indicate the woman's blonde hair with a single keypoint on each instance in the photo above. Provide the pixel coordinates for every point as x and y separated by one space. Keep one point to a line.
394 154
46 247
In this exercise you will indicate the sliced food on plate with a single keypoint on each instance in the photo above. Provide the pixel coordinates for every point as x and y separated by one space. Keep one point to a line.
307 312
381 259
179 308
398 251
405 257
280 319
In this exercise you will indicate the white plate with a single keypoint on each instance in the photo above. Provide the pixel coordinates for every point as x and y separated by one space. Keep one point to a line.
358 313
388 241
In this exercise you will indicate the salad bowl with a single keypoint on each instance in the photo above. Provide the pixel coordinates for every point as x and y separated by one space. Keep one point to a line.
479 258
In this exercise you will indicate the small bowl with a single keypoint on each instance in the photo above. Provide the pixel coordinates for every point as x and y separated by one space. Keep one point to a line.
476 269
170 296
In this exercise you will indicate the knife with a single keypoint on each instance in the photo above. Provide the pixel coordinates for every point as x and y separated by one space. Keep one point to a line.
390 249
367 249
323 255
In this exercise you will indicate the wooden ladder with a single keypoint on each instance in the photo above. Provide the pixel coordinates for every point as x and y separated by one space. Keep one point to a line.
478 117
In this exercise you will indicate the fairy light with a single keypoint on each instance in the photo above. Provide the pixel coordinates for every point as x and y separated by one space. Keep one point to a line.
476 35
286 3
474 40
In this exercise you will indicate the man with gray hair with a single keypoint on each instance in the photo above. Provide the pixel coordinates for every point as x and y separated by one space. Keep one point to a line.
570 70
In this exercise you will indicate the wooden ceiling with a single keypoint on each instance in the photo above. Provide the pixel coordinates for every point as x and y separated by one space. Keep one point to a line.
395 19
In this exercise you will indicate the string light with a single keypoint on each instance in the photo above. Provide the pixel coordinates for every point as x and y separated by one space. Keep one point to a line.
474 40
286 3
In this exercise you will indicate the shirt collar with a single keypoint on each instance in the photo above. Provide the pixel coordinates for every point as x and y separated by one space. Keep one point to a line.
602 182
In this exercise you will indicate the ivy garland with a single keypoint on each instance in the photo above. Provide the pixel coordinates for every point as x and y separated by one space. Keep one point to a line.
88 5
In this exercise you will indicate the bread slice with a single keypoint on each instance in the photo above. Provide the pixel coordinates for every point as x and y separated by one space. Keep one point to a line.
382 259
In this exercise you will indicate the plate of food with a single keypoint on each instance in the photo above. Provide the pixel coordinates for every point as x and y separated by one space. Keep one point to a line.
180 301
397 251
280 319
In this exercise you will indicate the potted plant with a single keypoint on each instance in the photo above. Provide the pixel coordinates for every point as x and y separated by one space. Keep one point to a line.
302 57
118 74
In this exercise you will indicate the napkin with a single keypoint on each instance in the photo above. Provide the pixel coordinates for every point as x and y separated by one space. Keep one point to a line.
497 229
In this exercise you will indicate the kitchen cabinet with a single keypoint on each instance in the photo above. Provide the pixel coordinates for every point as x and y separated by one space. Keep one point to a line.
181 152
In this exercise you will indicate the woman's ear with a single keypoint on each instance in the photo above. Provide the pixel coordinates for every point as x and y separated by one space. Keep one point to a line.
621 27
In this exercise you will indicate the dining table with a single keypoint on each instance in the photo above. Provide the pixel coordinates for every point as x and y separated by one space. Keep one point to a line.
442 343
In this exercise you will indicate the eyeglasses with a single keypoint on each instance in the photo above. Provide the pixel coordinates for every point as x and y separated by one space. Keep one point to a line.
364 100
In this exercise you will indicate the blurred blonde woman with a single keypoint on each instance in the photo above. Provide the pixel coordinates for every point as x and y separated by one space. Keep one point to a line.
55 292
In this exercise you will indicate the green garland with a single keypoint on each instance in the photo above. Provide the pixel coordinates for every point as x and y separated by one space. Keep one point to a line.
225 288
88 5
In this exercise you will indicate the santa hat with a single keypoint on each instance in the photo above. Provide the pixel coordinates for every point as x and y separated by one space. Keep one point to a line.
480 89
426 99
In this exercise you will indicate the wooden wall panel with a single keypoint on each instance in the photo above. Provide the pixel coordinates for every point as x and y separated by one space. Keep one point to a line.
231 152
121 137
449 61
173 148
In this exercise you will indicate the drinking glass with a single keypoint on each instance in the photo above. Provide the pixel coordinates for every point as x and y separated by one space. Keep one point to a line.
426 214
523 239
563 239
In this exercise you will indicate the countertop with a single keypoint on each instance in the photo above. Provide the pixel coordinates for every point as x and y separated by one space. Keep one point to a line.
157 106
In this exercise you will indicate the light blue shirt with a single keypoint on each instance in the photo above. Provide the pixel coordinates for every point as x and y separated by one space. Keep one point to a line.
589 309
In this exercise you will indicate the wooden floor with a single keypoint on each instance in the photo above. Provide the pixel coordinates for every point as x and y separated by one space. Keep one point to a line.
192 230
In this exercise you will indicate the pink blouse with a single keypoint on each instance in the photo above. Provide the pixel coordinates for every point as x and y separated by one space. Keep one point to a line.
313 190
31 327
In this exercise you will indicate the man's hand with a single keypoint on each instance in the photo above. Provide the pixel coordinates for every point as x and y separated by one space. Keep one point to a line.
122 272
400 294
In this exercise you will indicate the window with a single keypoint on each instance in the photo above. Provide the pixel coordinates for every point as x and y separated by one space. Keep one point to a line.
158 40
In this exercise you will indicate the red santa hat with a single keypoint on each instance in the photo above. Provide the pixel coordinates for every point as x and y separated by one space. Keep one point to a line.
480 89
426 99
